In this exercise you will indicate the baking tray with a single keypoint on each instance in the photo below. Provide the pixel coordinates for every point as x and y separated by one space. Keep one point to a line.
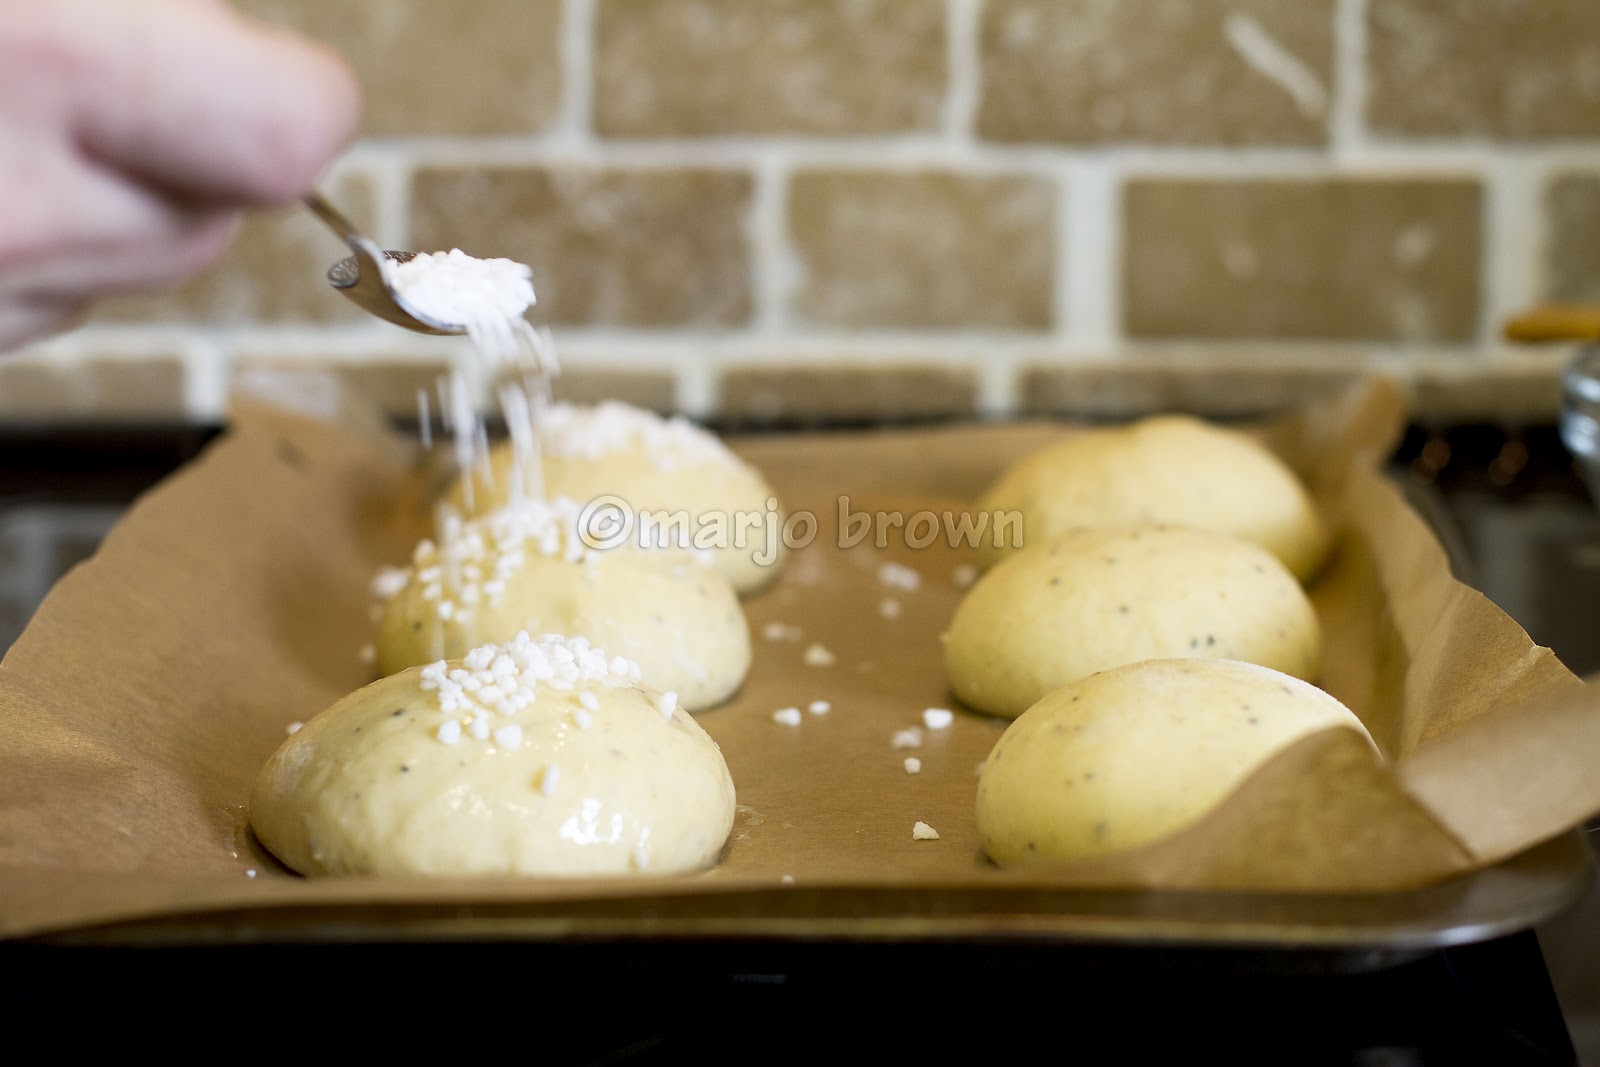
857 878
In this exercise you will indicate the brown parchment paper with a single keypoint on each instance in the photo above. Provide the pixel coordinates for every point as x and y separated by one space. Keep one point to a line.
155 680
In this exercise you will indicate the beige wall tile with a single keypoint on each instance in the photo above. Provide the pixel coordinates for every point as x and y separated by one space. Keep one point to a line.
1491 68
691 68
1158 72
1216 387
273 274
922 250
37 388
648 247
1342 259
1572 238
436 67
814 394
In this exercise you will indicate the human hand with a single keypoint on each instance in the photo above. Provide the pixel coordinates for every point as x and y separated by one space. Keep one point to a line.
132 132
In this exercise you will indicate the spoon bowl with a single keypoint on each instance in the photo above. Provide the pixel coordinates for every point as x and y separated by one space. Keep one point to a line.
360 277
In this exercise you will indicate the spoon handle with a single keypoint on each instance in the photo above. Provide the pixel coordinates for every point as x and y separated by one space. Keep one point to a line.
333 218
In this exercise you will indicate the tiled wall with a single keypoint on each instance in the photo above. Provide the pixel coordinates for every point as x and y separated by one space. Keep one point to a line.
798 210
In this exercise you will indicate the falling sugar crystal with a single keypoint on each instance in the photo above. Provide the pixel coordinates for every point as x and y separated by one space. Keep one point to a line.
923 832
787 716
938 718
913 765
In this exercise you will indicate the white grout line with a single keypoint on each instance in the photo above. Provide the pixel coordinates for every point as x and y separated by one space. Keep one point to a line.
1510 250
206 367
963 70
574 118
999 392
773 262
1347 116
1090 256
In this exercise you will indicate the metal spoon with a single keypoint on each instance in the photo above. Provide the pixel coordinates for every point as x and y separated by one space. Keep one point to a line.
360 277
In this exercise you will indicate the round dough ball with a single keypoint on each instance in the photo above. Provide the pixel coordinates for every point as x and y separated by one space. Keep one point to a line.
1097 599
1128 756
524 568
388 782
654 465
1168 469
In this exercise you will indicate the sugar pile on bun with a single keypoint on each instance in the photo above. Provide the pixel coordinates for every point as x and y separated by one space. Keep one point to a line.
532 757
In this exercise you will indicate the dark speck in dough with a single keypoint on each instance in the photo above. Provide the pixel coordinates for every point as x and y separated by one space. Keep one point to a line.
1033 846
1056 580
404 769
398 712
416 626
1100 829
1122 609
1211 639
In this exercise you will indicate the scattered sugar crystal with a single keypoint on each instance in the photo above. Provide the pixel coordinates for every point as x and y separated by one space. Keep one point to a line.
641 856
899 576
589 700
509 737
818 656
820 707
911 737
780 631
582 717
923 832
913 765
250 872
978 770
668 704
938 718
368 654
550 779
964 575
787 879
449 731
292 727
787 716
889 608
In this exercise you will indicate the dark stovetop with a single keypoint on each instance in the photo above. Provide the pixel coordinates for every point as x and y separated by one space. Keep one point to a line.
1520 527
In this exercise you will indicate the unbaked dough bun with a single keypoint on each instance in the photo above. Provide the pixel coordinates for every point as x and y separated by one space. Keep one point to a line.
1096 599
535 757
525 567
1128 756
654 464
1170 469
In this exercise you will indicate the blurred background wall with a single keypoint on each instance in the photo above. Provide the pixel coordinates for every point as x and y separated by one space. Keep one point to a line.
799 211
